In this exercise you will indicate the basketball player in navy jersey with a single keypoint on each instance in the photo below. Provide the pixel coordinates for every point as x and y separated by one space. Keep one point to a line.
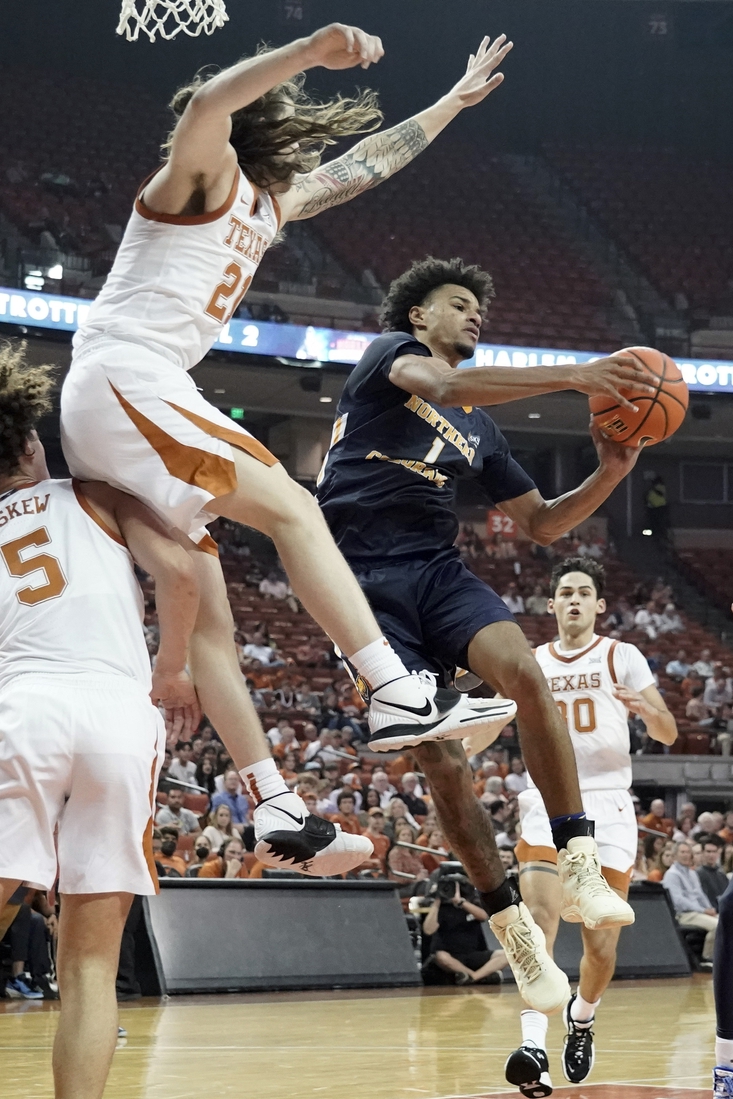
406 430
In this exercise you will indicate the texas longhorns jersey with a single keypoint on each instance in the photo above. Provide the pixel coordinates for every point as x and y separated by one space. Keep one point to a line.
69 598
581 682
177 280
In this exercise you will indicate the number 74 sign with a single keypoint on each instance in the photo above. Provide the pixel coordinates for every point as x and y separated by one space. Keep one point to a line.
499 523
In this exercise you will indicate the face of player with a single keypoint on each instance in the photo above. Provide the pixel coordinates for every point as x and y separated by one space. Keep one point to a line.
449 323
575 606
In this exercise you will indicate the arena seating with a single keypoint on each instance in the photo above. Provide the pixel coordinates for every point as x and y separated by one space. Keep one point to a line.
711 572
456 201
672 214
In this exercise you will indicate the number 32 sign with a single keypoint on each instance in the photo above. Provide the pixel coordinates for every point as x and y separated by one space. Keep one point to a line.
499 523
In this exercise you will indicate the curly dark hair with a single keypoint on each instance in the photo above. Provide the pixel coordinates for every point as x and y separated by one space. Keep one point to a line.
591 568
418 282
265 127
25 396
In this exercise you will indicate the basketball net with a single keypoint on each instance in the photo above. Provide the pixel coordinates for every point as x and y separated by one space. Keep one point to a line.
168 18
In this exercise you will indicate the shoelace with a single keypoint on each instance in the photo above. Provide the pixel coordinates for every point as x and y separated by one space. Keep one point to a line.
584 870
427 677
523 948
580 1039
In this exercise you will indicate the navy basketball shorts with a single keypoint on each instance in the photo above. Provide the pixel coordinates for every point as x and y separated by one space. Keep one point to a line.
430 608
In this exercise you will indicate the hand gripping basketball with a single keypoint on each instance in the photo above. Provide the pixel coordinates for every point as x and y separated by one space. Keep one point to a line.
648 414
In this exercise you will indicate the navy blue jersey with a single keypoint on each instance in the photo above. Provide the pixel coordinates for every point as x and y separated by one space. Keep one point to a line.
388 484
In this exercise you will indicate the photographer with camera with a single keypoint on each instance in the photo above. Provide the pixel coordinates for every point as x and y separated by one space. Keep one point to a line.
458 951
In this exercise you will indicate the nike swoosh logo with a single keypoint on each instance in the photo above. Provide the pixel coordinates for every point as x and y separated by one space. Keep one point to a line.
298 820
424 711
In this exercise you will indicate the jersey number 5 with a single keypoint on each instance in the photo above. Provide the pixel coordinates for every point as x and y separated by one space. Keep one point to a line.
584 714
228 294
42 562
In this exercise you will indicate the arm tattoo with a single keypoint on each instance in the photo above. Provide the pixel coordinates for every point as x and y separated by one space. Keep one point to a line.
370 162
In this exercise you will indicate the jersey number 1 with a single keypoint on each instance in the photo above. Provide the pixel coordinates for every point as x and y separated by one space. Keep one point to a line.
228 294
42 562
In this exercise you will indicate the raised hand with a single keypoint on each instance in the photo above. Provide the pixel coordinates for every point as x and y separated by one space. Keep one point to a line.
633 701
606 377
478 81
339 46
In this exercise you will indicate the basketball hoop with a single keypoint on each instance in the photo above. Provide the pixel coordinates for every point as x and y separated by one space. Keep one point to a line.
168 18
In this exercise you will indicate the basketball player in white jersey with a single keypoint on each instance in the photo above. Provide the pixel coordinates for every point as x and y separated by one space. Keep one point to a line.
81 742
241 162
596 682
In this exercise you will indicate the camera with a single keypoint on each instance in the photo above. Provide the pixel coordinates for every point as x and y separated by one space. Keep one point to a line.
445 879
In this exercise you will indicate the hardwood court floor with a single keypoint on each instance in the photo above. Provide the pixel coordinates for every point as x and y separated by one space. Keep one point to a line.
654 1041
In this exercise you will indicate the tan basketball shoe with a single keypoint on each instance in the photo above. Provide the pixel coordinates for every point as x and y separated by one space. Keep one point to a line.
586 895
542 984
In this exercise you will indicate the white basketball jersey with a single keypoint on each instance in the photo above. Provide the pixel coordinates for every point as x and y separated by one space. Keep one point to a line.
70 602
581 682
177 280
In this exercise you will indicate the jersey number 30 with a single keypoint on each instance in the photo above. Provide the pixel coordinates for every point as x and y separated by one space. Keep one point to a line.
584 714
55 581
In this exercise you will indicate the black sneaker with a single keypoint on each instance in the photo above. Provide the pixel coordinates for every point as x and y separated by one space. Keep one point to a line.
579 1051
528 1068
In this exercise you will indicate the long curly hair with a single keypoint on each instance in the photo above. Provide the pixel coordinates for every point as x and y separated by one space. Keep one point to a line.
418 282
283 117
25 396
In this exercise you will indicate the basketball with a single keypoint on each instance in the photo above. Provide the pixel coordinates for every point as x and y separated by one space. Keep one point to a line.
659 414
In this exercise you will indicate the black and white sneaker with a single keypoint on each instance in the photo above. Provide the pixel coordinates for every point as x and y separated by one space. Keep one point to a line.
290 838
579 1051
397 723
528 1068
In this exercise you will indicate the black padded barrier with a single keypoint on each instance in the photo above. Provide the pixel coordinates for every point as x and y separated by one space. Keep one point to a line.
219 936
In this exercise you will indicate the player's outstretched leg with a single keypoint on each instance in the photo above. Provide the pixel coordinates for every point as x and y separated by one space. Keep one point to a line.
723 988
471 838
90 933
500 654
596 971
404 708
287 835
528 1066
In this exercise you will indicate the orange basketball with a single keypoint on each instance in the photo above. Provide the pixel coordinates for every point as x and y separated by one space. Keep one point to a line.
660 413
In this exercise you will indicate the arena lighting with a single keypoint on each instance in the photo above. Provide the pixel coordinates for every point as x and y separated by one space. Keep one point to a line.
313 348
647 532
325 400
56 272
534 415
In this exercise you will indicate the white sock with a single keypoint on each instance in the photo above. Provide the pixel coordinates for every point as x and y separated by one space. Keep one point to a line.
583 1011
534 1028
263 780
378 663
724 1052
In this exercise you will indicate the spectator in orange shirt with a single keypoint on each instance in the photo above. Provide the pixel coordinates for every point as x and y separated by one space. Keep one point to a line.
288 771
726 832
656 819
375 832
403 860
489 769
662 863
435 843
346 816
168 857
229 863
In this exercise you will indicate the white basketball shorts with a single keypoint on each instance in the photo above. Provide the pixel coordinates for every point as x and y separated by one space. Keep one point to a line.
131 417
616 832
81 752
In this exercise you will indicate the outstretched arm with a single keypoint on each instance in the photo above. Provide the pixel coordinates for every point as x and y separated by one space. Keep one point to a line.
546 520
380 155
434 380
201 159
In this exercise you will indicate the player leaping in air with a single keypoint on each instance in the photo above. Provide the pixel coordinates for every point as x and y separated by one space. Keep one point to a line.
242 161
405 431
595 682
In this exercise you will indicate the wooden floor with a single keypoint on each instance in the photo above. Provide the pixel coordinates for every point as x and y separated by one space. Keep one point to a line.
654 1040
